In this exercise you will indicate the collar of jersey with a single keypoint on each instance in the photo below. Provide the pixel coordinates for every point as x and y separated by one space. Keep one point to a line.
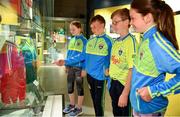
78 36
102 35
149 32
121 39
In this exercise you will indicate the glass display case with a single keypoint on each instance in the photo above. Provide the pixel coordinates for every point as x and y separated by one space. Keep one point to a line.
19 84
28 86
20 92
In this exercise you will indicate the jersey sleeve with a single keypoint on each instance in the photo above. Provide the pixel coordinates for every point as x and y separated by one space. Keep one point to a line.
167 61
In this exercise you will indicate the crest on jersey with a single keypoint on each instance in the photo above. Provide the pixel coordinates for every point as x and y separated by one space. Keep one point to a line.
101 46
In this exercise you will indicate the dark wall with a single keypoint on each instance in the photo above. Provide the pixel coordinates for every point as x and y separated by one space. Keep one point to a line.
78 8
97 4
107 3
70 8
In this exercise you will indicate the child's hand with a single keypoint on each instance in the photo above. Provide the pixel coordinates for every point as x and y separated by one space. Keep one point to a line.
83 73
123 100
107 72
144 93
59 62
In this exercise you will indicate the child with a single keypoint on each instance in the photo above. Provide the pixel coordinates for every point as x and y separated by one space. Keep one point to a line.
157 55
97 62
74 64
121 64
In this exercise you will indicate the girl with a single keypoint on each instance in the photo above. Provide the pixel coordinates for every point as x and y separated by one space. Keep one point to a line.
74 63
157 55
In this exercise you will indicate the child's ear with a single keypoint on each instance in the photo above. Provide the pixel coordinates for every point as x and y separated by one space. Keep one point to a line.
148 18
127 22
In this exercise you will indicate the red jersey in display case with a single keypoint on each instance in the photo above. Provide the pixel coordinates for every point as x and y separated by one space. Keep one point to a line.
12 72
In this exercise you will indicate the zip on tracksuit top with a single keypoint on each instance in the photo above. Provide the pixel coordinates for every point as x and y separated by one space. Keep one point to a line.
76 55
98 50
155 58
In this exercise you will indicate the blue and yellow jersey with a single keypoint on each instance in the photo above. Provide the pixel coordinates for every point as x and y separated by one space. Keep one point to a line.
98 50
122 53
156 57
75 54
29 53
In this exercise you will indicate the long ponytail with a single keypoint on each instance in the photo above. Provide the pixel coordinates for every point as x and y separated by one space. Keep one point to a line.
166 23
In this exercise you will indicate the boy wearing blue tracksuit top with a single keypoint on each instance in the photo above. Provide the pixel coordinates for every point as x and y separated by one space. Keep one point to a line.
157 55
97 62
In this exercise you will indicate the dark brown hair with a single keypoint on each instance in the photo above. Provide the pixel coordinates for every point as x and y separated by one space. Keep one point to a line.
163 16
98 18
123 13
77 24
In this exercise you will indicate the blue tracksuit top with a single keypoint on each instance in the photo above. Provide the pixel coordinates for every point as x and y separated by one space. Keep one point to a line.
75 54
97 51
156 57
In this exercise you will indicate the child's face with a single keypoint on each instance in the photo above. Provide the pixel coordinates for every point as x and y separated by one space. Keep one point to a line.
137 21
97 28
118 24
74 30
